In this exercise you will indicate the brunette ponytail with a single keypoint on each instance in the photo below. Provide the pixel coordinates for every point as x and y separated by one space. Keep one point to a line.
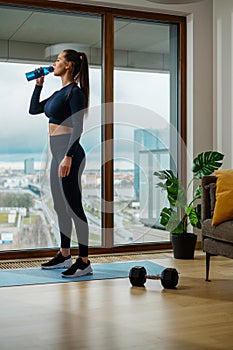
80 72
84 77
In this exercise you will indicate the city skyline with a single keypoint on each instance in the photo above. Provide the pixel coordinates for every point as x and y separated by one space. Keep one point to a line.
24 133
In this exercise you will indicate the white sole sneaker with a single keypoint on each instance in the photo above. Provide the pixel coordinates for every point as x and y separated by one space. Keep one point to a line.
64 265
78 273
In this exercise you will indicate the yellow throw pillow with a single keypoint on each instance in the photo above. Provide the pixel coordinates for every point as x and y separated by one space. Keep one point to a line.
223 210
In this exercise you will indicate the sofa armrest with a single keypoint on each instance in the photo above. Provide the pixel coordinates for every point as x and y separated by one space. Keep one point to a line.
205 199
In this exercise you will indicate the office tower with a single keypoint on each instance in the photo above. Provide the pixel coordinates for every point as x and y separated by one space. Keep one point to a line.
29 166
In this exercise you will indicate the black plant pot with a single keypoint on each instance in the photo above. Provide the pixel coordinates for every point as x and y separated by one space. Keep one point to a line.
183 245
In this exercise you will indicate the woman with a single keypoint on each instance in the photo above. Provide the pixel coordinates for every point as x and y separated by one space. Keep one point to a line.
65 111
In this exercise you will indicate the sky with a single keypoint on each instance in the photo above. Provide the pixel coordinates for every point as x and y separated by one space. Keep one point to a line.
142 101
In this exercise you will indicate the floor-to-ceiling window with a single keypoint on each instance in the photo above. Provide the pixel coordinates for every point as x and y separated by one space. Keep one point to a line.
140 77
30 39
146 70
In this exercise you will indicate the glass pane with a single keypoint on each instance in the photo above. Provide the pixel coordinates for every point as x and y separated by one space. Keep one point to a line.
27 217
146 110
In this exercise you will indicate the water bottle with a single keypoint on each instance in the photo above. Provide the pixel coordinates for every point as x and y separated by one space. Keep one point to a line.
40 72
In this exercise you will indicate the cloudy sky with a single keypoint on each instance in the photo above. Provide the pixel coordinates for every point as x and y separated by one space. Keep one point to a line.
142 101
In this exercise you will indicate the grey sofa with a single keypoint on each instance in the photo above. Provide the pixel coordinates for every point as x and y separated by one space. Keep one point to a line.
216 240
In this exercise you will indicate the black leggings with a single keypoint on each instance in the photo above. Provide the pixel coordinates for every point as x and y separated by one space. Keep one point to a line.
67 194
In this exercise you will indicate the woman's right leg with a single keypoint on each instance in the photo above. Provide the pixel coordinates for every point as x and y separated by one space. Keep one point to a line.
63 258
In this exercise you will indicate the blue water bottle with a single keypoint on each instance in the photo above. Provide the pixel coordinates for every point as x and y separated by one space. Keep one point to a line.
40 72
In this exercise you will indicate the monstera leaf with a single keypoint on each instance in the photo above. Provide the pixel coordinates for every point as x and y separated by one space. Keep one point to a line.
170 219
206 162
176 194
194 215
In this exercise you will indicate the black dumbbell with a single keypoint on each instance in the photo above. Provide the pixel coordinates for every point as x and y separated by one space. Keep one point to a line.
169 277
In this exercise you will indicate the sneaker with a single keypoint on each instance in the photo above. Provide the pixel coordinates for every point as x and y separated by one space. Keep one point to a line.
58 262
78 269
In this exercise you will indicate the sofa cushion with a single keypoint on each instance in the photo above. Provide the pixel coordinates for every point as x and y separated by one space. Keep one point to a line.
222 232
218 248
224 197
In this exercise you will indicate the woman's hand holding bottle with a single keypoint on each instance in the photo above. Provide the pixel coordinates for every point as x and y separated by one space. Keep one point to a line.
40 80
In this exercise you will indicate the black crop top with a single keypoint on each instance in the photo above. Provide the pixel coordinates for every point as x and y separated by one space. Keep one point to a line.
64 107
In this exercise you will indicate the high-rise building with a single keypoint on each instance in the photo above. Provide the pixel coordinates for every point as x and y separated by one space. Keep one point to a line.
29 166
151 153
147 140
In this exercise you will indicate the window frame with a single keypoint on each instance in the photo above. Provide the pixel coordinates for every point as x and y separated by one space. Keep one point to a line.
108 15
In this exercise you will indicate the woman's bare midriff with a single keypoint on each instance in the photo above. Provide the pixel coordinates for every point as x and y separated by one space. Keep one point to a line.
55 129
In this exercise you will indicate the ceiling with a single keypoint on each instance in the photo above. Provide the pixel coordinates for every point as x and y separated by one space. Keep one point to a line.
48 28
175 2
32 35
53 28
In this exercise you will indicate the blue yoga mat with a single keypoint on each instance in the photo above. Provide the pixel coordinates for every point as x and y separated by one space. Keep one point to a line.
29 276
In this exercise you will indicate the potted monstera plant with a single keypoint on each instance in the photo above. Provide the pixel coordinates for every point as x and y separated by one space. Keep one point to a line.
184 208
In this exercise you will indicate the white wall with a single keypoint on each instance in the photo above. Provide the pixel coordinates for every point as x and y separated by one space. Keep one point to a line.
200 63
223 78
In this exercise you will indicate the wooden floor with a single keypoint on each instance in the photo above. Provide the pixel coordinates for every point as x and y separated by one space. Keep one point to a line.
112 315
